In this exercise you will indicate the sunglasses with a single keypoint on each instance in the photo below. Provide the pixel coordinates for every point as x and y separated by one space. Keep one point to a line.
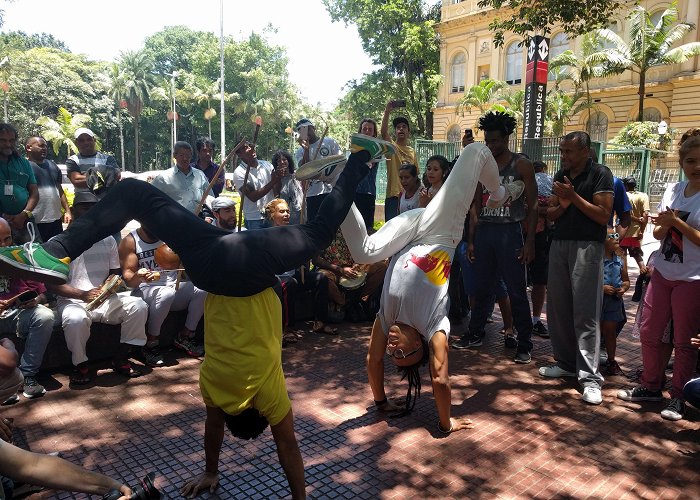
614 236
398 353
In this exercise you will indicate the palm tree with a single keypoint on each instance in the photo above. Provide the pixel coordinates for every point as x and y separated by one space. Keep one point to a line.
60 132
481 95
649 47
138 67
514 105
118 91
582 66
561 106
205 93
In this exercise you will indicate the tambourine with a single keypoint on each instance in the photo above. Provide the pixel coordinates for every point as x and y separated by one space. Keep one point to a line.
350 284
110 286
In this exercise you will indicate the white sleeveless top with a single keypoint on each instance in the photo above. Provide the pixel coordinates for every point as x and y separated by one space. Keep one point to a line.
145 252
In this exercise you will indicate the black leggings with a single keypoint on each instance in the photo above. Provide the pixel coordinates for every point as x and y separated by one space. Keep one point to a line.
218 261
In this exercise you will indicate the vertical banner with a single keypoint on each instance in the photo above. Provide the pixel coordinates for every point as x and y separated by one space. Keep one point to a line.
535 96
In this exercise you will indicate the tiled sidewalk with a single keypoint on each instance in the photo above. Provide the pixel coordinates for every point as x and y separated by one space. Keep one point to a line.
533 438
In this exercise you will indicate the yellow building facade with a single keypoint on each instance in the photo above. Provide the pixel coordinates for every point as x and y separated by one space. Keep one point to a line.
467 56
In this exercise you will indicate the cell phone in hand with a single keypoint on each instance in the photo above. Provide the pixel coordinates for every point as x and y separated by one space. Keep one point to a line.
27 296
304 133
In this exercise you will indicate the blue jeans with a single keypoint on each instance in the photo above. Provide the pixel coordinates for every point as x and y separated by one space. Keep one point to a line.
391 208
35 326
691 392
496 249
252 225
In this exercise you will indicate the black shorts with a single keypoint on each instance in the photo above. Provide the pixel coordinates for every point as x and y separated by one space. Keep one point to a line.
540 264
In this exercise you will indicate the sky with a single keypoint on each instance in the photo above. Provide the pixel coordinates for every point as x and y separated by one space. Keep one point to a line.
323 55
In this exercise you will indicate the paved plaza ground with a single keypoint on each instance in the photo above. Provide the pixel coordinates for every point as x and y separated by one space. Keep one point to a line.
533 438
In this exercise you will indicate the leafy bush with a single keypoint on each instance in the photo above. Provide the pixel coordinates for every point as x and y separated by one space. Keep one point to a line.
643 135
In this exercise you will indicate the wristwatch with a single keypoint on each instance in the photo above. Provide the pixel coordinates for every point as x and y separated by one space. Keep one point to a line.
28 213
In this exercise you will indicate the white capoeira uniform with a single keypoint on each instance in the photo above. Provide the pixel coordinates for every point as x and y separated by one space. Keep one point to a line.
421 243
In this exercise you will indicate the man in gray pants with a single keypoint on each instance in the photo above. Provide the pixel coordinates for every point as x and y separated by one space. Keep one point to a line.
580 208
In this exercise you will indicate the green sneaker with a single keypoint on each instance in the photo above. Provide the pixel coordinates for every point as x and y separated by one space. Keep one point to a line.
30 261
375 147
324 169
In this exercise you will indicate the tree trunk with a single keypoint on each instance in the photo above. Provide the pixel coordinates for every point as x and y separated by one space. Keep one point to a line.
642 89
121 137
137 153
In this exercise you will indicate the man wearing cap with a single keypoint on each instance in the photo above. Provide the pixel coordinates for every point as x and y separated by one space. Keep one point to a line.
182 183
257 191
88 157
20 193
404 154
224 210
312 148
162 291
87 275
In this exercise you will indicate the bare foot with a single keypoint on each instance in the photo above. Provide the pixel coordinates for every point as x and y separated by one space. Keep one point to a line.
457 424
389 406
321 327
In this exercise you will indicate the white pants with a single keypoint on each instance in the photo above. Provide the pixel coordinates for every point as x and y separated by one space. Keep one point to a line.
122 308
9 386
162 299
441 222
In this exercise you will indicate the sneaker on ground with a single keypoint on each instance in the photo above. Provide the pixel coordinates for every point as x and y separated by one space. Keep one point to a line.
11 400
374 146
522 357
639 393
32 388
152 356
674 410
510 340
31 262
325 169
592 395
80 375
468 342
555 371
541 330
514 190
191 349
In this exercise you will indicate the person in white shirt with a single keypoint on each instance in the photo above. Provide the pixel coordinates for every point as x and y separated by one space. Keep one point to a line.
313 148
182 183
412 325
87 274
257 191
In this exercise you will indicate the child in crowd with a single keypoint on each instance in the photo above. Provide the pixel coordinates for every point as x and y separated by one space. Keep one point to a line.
410 184
615 283
437 169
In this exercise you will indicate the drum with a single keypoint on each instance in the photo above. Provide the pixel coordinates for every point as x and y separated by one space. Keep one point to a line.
350 284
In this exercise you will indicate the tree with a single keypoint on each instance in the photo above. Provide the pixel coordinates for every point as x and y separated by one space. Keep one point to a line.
481 96
138 67
650 46
400 36
60 132
529 17
514 104
582 66
561 106
19 40
117 91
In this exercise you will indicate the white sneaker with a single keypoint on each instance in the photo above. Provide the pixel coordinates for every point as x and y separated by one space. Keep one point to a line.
325 169
555 371
592 395
514 190
674 410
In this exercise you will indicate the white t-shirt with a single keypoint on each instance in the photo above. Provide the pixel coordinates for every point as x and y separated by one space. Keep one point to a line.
91 269
258 177
679 259
406 204
426 270
328 148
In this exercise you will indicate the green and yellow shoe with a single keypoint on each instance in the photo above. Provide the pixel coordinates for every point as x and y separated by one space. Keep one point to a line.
30 261
375 147
326 169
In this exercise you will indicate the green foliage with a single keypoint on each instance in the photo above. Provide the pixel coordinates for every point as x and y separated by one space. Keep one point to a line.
561 106
643 135
60 131
19 40
480 96
650 46
400 37
528 17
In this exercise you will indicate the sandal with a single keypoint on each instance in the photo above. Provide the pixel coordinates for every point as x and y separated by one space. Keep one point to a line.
80 375
126 370
321 327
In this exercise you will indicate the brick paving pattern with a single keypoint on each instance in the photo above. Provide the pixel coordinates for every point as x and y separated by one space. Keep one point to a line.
534 438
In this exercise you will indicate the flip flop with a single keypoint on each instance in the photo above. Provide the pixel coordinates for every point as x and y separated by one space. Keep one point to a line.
127 370
328 330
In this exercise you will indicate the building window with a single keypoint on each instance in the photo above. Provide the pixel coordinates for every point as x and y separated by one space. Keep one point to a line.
557 45
483 72
514 64
457 69
597 126
454 134
656 17
651 115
